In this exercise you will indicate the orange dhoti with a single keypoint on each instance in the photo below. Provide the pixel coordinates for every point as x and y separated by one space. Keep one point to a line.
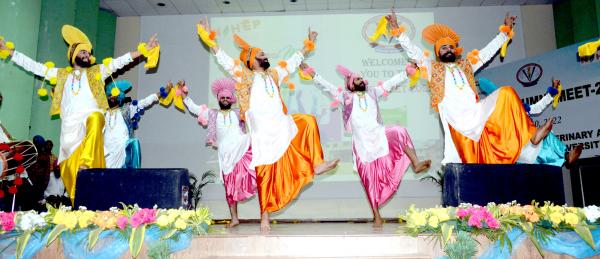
506 132
279 183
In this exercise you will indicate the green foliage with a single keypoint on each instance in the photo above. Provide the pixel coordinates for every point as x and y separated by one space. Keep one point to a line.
464 247
159 250
197 185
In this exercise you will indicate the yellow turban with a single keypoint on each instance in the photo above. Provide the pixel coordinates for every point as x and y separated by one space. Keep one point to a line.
77 41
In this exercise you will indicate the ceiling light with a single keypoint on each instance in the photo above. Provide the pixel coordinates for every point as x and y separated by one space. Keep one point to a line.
161 4
226 2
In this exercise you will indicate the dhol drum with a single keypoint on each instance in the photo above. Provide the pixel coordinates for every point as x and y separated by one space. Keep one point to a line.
16 154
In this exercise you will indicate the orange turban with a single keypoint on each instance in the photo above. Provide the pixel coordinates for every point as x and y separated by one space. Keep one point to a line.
439 35
248 53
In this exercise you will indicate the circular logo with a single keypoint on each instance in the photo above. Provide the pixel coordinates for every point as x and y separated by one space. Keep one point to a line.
387 44
529 74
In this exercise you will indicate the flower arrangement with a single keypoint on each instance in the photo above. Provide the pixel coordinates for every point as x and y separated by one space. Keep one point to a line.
494 221
131 221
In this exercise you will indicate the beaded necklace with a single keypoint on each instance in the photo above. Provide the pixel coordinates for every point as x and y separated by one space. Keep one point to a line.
269 83
460 74
77 74
226 114
362 99
112 117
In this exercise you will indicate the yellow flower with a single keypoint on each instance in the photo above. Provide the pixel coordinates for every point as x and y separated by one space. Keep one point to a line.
59 217
106 61
49 64
418 219
556 218
186 214
85 218
441 213
70 220
69 69
434 221
572 209
162 220
180 224
571 219
105 220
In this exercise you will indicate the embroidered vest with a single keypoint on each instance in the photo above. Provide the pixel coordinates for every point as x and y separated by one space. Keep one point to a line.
211 137
438 80
244 87
349 103
96 86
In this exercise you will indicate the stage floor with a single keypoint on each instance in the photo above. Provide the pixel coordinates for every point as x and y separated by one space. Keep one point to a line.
311 240
309 229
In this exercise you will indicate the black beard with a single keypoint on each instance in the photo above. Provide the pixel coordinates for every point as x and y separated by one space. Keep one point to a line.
360 87
113 103
449 57
225 106
81 63
264 64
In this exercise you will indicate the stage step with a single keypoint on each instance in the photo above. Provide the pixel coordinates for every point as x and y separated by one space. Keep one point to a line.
320 240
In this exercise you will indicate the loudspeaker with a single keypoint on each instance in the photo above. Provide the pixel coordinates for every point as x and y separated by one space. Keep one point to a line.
585 175
484 183
100 189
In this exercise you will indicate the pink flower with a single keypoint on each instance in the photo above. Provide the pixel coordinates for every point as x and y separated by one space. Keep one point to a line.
474 221
492 223
461 213
143 216
122 222
7 220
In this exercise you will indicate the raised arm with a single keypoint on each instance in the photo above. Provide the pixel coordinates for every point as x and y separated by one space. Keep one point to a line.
391 84
548 98
201 111
33 66
143 103
333 91
292 63
223 59
115 64
488 52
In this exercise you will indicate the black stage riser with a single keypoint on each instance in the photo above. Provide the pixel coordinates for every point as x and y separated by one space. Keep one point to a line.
481 184
100 189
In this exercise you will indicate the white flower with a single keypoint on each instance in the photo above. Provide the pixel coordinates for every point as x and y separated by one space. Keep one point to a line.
114 209
82 208
592 213
30 220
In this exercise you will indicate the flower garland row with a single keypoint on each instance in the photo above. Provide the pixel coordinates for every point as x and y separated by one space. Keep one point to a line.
495 221
132 221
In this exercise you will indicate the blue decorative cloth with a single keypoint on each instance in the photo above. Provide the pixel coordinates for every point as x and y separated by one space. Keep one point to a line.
133 154
552 151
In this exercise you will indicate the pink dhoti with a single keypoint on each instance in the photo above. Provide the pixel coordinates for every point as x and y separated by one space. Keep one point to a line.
240 184
382 176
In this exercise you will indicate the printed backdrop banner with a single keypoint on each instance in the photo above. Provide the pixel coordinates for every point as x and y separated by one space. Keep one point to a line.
577 118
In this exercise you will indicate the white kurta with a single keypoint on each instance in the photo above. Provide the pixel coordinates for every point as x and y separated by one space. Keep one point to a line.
77 100
459 108
368 135
3 136
271 131
55 187
232 143
116 132
530 152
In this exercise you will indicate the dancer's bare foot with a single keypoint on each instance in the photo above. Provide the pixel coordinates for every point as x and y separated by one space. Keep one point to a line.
233 223
326 166
421 166
265 225
574 154
377 223
542 132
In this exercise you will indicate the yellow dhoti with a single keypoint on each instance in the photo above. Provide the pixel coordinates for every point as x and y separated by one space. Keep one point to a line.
90 153
280 182
506 132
